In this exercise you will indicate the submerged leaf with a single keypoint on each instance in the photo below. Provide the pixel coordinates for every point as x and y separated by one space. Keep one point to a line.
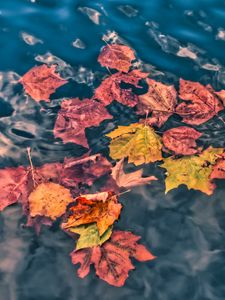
117 57
193 171
112 260
41 81
49 200
201 102
75 116
181 140
160 101
102 209
137 142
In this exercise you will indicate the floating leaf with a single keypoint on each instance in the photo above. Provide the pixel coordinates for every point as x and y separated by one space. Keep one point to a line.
75 116
89 235
181 140
201 102
49 200
110 89
41 81
128 180
112 260
160 101
137 142
117 57
193 171
101 208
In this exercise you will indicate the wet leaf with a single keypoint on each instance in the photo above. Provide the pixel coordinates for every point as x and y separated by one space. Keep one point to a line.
219 168
110 89
201 102
137 142
117 57
193 171
49 200
112 260
160 101
89 235
101 208
75 116
41 81
128 180
181 140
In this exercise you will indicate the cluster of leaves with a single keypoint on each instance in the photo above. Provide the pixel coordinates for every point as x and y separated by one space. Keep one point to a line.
61 190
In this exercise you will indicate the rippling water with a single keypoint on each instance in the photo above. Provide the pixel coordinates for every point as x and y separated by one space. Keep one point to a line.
185 230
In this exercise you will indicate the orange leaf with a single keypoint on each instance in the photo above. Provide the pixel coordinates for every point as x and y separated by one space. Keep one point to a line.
41 81
102 208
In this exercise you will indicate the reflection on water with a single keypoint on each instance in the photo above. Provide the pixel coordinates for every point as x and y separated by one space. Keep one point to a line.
185 230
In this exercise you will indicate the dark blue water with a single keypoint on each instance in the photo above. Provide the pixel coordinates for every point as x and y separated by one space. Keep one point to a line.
184 229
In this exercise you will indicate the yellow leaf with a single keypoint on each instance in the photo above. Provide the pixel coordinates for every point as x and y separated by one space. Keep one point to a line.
49 200
138 142
193 171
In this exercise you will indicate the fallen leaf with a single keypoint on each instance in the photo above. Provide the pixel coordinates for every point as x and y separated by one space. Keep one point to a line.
41 81
181 140
89 235
117 57
112 260
128 180
49 200
160 101
110 89
101 208
75 116
138 142
201 102
219 168
193 171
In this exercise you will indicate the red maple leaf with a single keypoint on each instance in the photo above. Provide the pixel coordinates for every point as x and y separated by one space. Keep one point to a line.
117 57
181 140
75 116
41 81
110 89
112 260
201 102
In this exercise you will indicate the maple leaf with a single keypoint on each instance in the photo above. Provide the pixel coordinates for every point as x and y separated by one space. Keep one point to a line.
181 140
89 235
41 81
128 180
138 142
110 89
101 208
193 171
201 102
75 116
49 200
218 171
160 100
117 57
112 260
12 185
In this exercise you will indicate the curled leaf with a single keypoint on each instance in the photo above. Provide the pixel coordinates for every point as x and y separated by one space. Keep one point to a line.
181 140
117 57
138 142
41 81
112 260
75 116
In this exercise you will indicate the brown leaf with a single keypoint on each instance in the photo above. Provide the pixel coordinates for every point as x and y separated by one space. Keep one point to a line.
101 208
75 116
201 102
181 140
117 57
110 89
160 101
41 81
112 260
